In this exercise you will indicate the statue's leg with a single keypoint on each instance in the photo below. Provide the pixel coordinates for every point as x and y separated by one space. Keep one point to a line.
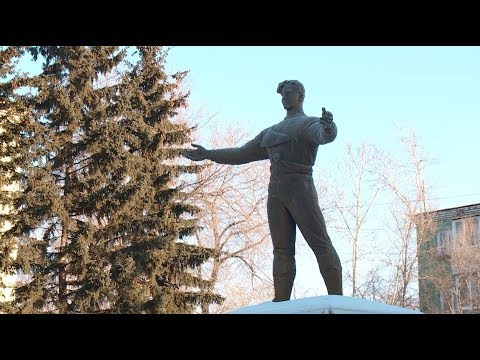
282 231
309 218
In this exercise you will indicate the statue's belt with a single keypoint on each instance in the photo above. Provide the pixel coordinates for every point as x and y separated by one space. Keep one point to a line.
283 167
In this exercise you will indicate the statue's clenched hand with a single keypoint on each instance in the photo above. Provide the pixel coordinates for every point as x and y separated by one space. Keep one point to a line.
326 119
200 153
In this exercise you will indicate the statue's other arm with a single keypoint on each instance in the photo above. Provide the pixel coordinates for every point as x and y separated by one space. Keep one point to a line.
321 130
251 151
318 133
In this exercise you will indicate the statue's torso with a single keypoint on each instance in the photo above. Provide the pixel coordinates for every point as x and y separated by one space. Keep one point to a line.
288 148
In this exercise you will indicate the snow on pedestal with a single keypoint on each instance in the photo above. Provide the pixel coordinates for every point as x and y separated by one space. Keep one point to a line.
330 304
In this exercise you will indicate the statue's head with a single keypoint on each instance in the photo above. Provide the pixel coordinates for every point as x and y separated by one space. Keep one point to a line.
294 84
293 93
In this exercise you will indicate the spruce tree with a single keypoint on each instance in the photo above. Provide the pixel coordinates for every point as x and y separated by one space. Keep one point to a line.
151 201
8 160
99 224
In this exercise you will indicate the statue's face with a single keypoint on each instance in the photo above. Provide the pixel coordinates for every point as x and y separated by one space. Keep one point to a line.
290 96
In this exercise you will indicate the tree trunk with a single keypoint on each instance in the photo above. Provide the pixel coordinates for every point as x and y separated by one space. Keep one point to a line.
62 274
214 279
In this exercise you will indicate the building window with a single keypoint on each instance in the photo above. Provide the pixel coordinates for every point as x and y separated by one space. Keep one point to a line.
456 295
443 242
466 231
442 303
458 232
476 231
474 291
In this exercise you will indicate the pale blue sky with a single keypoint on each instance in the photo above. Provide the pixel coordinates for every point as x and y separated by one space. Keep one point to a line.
433 90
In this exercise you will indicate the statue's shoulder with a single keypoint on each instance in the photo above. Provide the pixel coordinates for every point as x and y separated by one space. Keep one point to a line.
309 120
263 132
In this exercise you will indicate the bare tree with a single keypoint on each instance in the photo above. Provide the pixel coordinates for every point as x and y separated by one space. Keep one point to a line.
234 223
352 201
406 183
374 286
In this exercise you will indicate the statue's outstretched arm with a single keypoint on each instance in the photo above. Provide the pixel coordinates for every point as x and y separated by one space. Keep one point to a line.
251 151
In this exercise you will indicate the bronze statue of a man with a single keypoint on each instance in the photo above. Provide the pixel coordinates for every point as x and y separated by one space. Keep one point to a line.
291 145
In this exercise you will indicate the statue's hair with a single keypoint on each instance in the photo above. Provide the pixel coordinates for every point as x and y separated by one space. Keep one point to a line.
295 83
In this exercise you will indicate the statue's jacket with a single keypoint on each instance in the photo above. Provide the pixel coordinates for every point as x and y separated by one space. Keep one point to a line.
291 145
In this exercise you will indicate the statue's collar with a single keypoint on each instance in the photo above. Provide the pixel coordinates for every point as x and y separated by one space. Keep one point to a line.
294 115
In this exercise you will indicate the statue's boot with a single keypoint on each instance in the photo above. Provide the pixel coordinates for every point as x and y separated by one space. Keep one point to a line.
331 270
283 287
284 271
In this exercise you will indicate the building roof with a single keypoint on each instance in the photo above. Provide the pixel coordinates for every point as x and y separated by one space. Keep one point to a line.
454 213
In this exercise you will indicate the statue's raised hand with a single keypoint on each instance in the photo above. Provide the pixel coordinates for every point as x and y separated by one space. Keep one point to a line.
200 153
327 118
